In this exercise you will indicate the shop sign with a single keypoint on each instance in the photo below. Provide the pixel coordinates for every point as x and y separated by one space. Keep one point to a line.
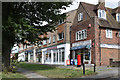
110 46
52 48
82 43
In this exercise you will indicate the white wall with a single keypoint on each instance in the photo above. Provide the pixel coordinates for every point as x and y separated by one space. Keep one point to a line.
21 56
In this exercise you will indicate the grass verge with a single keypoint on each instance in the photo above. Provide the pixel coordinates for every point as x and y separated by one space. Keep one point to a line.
12 76
54 72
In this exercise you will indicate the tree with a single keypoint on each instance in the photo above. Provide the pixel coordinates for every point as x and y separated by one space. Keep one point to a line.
24 21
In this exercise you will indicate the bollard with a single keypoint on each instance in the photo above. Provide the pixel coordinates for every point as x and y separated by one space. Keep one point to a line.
94 67
83 68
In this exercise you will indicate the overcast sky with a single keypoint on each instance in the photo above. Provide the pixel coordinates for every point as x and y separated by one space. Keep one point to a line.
108 3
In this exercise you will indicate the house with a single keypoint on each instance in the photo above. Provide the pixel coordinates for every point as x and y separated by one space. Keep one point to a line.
95 34
56 50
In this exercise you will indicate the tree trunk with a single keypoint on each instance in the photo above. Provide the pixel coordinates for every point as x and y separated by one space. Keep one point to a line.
7 44
6 50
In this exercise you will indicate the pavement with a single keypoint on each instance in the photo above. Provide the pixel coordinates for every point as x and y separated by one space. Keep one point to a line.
30 74
104 72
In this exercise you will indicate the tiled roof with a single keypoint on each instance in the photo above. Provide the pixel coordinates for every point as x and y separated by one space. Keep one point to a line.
110 22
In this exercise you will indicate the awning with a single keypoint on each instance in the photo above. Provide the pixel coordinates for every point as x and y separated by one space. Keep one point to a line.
81 47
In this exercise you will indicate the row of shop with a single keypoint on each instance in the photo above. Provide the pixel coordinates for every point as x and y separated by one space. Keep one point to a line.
60 54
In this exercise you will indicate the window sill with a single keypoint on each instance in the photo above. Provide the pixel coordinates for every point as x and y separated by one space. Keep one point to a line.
80 20
109 37
81 39
60 39
102 18
44 44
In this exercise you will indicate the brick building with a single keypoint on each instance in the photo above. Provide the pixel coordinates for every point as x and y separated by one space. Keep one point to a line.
95 34
56 49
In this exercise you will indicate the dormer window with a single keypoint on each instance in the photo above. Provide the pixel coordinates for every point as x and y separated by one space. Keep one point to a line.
118 17
101 14
80 16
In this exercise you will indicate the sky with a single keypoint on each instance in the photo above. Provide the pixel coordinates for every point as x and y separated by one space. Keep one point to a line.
108 3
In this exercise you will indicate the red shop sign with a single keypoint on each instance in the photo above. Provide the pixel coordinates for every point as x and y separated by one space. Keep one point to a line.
52 48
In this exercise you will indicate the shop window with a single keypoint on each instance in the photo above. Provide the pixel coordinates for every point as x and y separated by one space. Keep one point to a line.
80 16
60 56
61 36
54 57
31 56
101 14
54 38
47 57
87 56
108 33
118 17
63 56
81 35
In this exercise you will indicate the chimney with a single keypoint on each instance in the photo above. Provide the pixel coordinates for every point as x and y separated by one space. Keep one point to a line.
101 1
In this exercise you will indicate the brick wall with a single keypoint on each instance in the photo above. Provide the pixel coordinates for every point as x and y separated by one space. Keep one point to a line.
113 40
107 54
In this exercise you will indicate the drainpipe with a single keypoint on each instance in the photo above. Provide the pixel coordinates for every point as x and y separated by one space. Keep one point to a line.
99 45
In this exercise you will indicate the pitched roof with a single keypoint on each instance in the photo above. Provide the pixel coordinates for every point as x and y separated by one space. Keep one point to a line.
89 8
110 22
116 10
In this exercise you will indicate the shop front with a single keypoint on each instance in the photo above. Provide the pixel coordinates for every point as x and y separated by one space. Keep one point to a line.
38 55
55 55
82 48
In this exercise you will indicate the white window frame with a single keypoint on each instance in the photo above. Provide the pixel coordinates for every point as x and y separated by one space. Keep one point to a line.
79 35
62 36
108 33
44 42
40 43
49 40
54 38
101 14
80 16
118 17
